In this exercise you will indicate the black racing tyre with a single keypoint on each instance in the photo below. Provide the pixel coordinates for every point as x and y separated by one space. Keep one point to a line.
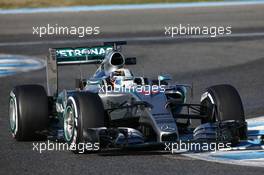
83 113
28 112
228 106
228 103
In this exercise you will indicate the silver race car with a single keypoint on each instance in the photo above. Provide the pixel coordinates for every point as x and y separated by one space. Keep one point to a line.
114 108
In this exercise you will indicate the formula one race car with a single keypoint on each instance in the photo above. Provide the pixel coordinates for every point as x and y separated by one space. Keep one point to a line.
117 109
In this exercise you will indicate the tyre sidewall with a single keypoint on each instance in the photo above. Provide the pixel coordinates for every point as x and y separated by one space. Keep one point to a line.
31 110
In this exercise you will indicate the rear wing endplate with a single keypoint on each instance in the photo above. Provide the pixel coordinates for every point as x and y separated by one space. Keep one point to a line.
71 56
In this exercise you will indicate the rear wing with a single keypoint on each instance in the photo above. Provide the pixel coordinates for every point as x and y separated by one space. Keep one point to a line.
71 56
82 55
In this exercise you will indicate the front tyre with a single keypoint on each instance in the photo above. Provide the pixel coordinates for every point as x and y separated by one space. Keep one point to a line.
28 112
222 103
84 113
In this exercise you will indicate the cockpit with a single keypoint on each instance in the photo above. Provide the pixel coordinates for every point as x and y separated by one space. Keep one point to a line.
122 78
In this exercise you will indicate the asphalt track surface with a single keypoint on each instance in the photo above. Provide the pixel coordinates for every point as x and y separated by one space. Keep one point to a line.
203 62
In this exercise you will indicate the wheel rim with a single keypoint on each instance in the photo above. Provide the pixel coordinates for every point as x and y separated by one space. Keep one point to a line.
69 123
13 115
209 111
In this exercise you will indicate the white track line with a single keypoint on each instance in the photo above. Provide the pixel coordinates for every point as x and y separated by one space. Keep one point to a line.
153 38
246 162
207 157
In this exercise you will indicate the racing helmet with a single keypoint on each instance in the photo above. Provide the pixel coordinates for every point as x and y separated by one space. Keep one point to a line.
121 77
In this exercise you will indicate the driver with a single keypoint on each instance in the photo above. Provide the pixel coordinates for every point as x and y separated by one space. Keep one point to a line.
121 78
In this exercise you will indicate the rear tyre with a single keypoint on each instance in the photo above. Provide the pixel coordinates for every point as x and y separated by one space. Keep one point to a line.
28 112
84 112
228 107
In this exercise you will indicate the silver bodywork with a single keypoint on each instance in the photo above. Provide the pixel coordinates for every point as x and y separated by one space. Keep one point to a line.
157 116
160 118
